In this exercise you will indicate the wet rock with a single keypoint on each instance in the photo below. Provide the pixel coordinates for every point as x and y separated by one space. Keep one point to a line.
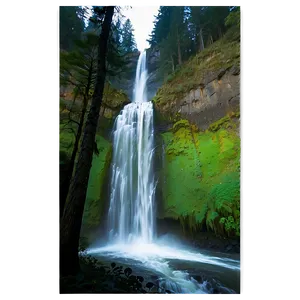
228 248
208 286
199 278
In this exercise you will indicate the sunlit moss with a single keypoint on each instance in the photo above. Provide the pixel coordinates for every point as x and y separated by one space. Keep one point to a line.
201 176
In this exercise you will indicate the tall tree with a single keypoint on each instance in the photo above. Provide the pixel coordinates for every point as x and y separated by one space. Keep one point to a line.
77 69
71 26
128 39
72 217
198 21
162 26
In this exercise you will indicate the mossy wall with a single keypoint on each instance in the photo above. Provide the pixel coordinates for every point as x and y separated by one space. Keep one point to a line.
201 176
94 203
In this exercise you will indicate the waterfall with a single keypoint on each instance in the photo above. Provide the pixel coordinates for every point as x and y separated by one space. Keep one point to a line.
131 209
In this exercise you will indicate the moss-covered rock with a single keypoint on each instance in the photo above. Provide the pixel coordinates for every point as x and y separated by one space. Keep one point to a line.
113 97
66 140
94 203
201 176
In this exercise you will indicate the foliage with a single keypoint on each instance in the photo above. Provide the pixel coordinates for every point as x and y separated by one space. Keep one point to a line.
181 31
78 67
234 18
128 39
71 26
118 66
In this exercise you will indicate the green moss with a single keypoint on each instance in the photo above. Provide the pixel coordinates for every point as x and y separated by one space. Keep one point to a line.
114 98
67 138
181 124
201 176
225 122
94 203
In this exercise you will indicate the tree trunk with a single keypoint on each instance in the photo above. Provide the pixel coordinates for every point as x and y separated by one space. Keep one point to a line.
179 50
66 183
173 64
220 32
201 42
72 217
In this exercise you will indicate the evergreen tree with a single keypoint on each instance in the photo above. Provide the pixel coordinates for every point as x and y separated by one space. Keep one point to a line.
71 26
162 26
128 40
72 217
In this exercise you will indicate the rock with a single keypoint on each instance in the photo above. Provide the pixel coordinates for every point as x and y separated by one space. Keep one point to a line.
199 279
235 71
228 248
217 93
221 73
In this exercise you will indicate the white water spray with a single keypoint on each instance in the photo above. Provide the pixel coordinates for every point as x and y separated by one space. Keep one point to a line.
131 210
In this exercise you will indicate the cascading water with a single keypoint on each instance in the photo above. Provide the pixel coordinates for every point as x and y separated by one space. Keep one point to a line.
131 210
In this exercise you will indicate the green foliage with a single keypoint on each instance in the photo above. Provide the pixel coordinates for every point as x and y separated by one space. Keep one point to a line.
71 26
128 40
78 67
67 138
181 31
162 25
234 18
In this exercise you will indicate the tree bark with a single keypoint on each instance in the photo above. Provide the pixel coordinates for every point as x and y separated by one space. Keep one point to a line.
173 65
220 32
72 216
66 183
201 42
179 50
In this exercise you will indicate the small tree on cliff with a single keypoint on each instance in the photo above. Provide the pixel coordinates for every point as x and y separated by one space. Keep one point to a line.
72 217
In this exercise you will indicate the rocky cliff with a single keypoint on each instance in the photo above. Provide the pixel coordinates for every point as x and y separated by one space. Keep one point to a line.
205 88
198 119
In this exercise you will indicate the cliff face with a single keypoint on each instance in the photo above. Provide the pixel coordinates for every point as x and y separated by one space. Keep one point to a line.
205 88
218 94
198 116
125 80
96 198
154 82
